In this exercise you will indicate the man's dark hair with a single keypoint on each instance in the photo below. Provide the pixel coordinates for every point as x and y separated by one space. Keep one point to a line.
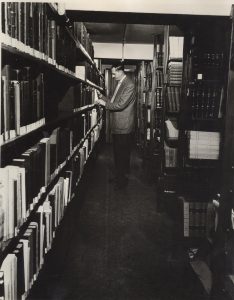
118 65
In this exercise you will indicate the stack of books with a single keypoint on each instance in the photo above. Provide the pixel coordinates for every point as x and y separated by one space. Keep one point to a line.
22 101
204 145
198 218
206 101
21 266
175 70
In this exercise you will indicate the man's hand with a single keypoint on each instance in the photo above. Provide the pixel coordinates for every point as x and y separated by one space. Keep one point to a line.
99 94
101 102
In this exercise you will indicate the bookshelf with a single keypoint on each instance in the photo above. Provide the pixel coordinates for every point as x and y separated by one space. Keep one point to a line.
198 180
149 94
50 127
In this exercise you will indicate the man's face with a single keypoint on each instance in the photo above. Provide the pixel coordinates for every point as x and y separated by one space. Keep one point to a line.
117 74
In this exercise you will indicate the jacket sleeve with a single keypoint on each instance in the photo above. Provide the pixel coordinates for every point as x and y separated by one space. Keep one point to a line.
124 99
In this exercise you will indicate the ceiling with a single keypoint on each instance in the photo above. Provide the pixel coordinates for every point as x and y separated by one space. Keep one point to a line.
130 33
113 27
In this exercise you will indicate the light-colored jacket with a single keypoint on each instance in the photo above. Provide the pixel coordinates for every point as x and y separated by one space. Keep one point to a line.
122 110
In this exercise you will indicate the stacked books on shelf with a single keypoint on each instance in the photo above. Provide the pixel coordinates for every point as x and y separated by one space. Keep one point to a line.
175 69
204 145
87 72
159 98
205 100
209 65
173 98
23 184
159 54
148 76
22 101
159 78
21 266
25 179
28 27
198 218
81 34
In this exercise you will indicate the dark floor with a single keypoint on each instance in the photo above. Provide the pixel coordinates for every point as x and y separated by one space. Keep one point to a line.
115 245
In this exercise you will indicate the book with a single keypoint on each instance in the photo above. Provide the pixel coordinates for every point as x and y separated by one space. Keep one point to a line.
9 269
45 144
19 253
204 145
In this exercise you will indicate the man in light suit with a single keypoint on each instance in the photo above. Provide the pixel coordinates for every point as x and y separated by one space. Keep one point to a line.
122 121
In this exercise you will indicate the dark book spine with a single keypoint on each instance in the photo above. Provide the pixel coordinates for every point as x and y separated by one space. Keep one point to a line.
20 270
3 15
22 21
26 23
6 71
12 106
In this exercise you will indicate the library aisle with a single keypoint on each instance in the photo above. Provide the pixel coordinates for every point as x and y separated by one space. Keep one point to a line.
115 245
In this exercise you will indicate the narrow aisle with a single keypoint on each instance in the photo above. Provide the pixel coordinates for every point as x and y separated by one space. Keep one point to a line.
113 245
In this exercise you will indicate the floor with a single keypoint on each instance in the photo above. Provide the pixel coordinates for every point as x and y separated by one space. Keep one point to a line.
115 245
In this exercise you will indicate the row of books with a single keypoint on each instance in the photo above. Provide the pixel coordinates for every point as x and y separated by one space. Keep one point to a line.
147 75
208 59
82 123
173 98
147 98
160 56
198 218
175 71
81 34
80 158
86 71
30 24
22 101
205 101
159 78
21 266
79 95
204 145
25 180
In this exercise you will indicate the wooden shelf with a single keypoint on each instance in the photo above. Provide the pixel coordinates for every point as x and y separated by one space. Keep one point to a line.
30 55
20 139
11 244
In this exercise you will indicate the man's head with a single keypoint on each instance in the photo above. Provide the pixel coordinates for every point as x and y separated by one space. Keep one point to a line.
118 71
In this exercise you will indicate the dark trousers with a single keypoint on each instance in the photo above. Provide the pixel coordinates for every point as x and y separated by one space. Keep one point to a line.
122 144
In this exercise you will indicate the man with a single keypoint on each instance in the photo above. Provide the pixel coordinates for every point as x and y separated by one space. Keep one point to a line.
122 122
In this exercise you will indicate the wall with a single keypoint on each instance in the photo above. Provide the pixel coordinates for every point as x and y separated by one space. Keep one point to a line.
131 51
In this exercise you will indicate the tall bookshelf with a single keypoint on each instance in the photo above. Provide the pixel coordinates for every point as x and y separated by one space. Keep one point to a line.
49 129
198 185
150 81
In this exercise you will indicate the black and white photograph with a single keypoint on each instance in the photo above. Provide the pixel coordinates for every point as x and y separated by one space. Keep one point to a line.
117 150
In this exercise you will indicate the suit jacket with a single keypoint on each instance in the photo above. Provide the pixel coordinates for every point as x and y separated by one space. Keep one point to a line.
122 110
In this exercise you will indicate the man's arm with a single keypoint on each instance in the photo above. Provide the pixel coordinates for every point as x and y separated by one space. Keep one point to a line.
123 101
101 99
